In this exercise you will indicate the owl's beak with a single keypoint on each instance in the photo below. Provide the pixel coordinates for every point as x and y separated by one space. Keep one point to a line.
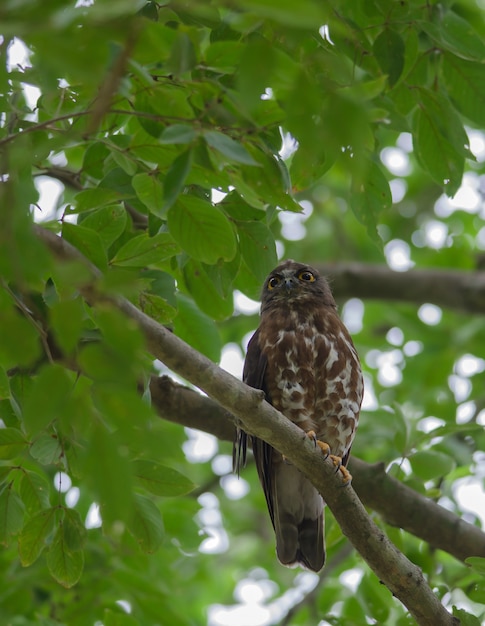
289 283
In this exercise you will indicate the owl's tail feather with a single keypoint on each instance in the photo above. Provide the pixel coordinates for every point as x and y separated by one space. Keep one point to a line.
302 544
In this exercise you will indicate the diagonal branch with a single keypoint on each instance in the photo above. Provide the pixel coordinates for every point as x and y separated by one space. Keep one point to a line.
259 418
396 503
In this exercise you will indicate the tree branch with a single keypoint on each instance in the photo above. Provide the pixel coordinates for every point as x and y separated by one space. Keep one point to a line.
404 579
452 289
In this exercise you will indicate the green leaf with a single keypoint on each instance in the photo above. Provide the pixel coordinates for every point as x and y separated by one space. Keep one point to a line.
465 81
11 514
4 385
179 518
466 619
435 133
4 473
429 464
109 222
247 282
106 465
149 190
146 525
223 56
12 443
174 181
237 209
65 565
253 76
202 230
95 198
160 479
229 148
88 242
389 51
178 133
74 530
67 317
94 161
401 429
20 344
161 284
120 181
197 329
122 158
157 308
376 597
204 291
370 198
182 58
33 537
47 398
477 562
258 247
118 410
34 491
143 250
447 118
46 449
100 363
367 90
268 185
456 34
166 101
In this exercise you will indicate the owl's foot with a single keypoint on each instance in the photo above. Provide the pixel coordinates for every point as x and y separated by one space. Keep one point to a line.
324 447
346 475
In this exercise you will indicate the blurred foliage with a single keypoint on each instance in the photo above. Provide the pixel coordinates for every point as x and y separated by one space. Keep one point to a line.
192 144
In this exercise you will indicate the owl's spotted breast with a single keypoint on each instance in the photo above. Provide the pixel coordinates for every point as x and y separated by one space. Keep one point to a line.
313 374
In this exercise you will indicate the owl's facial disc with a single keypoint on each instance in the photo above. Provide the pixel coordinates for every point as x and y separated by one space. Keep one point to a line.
286 281
296 284
286 284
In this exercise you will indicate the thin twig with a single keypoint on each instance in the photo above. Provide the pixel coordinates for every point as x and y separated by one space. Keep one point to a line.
31 319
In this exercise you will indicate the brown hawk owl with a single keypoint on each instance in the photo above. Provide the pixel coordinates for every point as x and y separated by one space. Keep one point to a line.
304 360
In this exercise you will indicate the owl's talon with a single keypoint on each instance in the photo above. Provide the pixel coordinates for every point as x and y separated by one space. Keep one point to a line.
346 475
337 461
324 447
312 435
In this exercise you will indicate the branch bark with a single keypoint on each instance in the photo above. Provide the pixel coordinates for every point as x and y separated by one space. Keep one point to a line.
402 577
452 289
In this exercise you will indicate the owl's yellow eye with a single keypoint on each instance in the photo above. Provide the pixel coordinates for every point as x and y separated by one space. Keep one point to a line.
306 276
273 282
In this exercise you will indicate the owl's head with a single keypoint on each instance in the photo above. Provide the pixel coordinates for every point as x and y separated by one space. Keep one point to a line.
295 283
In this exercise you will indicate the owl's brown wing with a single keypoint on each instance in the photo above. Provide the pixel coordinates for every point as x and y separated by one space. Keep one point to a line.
253 375
255 364
295 507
